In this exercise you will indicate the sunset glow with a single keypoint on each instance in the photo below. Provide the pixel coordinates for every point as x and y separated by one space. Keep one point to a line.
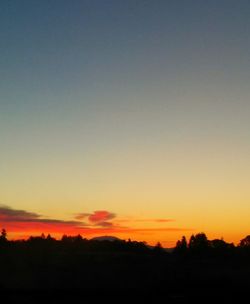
125 118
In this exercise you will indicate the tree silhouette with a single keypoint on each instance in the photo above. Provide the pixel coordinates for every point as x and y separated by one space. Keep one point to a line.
198 243
3 236
181 246
158 249
245 242
219 244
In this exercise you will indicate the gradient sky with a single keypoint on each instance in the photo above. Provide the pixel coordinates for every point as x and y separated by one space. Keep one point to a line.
140 109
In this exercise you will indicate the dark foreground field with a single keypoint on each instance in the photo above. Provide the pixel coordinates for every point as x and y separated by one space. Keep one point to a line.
44 271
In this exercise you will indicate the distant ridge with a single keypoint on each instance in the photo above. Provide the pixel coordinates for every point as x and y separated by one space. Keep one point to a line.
106 238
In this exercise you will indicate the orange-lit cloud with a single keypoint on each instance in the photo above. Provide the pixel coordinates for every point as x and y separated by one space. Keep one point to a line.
23 223
163 220
146 220
106 224
97 216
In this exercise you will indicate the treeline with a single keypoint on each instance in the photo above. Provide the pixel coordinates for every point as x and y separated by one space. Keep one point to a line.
73 243
198 244
91 267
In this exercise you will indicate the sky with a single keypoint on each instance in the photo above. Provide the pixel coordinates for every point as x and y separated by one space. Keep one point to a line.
125 118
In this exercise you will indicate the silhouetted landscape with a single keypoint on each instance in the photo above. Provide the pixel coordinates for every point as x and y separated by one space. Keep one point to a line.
124 123
198 268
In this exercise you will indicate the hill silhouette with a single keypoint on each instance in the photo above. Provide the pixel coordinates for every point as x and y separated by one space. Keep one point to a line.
106 238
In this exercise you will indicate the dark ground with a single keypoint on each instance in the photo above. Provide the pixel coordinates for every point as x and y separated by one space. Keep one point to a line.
42 271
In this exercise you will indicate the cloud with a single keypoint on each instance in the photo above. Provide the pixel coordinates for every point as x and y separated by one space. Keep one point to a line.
23 219
166 229
8 214
100 222
145 220
163 220
101 216
81 216
97 217
16 219
105 224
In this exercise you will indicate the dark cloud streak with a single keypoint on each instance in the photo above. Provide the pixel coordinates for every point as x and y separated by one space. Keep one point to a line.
8 214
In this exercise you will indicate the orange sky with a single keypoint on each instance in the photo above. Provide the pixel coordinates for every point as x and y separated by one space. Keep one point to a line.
22 224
